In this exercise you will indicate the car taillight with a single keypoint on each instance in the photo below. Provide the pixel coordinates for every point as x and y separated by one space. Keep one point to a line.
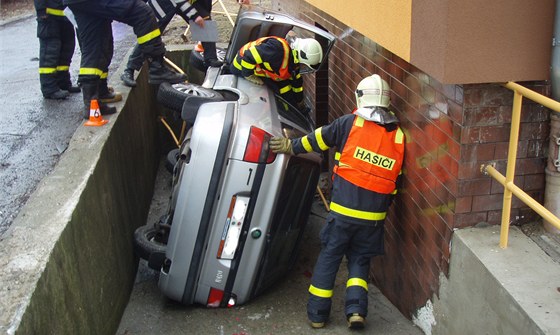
214 297
258 142
232 227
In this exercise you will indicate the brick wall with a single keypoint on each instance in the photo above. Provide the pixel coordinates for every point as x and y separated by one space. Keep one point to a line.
451 130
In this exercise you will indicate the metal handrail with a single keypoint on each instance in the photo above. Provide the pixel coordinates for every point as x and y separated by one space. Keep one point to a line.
507 181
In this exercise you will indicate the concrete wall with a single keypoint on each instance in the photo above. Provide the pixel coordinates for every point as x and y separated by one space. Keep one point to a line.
491 290
67 262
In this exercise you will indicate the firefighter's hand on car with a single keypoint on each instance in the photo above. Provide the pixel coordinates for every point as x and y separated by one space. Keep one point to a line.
254 79
281 145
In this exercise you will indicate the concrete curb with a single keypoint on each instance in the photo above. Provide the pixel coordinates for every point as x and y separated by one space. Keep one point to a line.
68 255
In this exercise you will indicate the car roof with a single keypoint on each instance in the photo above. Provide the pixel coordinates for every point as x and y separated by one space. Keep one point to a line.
254 22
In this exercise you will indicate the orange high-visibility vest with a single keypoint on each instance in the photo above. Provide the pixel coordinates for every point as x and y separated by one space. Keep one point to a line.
283 72
372 157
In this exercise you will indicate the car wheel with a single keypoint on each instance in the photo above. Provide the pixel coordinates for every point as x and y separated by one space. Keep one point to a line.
172 96
196 58
147 246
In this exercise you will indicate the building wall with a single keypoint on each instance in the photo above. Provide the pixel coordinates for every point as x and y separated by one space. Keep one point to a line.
458 41
451 130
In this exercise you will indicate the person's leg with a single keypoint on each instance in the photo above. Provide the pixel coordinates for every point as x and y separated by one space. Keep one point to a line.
50 44
91 31
145 26
367 241
68 39
333 240
107 94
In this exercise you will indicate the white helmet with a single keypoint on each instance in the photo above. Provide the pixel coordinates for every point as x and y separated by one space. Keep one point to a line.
309 51
373 91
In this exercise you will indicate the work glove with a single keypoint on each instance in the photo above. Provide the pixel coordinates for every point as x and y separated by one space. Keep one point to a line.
281 145
254 79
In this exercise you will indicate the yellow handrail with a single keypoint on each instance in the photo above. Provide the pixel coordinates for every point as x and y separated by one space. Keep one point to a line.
509 187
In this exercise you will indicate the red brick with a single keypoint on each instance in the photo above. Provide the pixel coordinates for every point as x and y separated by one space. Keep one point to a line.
469 219
487 202
494 134
463 205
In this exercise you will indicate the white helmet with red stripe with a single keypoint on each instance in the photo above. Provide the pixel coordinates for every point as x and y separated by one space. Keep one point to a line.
373 91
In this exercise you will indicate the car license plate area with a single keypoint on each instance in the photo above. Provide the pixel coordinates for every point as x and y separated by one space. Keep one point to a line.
233 227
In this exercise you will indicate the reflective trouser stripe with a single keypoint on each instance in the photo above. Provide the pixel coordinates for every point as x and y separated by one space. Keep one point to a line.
297 89
90 71
63 68
286 89
357 282
104 75
56 12
320 292
354 213
149 36
47 70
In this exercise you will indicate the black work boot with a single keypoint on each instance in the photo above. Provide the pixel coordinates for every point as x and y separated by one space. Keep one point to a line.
128 78
65 84
107 94
90 92
57 95
159 73
210 55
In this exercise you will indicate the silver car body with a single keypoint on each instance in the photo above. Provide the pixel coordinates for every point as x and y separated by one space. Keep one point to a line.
237 222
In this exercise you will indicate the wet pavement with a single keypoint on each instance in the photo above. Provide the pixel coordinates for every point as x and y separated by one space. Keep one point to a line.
281 310
34 132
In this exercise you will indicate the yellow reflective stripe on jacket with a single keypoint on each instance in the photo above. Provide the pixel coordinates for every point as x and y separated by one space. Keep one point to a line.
247 65
90 71
319 139
63 68
399 136
236 64
337 155
149 36
357 282
256 55
285 89
47 70
57 12
359 122
320 292
354 213
306 144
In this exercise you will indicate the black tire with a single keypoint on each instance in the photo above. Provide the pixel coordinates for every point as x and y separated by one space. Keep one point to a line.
145 244
172 96
196 58
172 158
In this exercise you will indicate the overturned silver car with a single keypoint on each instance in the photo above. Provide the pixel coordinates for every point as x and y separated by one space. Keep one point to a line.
238 211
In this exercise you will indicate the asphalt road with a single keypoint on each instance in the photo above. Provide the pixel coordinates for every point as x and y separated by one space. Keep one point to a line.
34 132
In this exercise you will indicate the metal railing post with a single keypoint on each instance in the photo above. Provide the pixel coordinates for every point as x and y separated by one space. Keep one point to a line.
510 172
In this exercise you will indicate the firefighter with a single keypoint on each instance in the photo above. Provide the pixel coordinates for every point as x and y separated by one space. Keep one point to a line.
192 11
92 17
56 48
276 61
365 177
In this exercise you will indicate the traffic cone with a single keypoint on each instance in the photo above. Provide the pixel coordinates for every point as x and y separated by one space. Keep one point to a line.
95 117
198 47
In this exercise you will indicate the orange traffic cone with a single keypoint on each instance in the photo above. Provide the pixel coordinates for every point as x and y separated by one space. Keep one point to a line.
198 47
95 117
